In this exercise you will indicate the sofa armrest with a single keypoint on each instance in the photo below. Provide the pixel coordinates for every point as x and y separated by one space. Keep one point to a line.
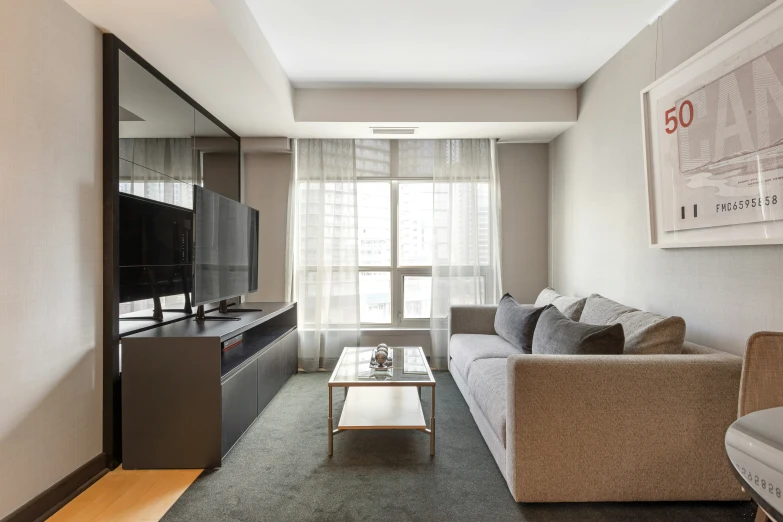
620 428
472 319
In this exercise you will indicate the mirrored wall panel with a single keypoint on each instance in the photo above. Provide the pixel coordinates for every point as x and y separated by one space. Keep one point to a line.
166 146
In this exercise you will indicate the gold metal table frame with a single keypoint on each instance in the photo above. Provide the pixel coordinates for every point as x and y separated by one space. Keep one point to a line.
403 409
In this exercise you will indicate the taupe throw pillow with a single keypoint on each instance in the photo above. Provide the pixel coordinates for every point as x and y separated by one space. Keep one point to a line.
516 323
556 334
645 333
570 307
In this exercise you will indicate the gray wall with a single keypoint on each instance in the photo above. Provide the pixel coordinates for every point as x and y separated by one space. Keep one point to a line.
599 237
524 193
221 174
267 180
50 246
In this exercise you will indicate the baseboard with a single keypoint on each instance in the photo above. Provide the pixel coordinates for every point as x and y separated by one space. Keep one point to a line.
59 494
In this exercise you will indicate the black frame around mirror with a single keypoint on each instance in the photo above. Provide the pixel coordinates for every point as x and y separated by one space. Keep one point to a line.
112 387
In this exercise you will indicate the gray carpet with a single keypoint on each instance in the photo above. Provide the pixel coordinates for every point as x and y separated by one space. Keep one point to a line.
280 471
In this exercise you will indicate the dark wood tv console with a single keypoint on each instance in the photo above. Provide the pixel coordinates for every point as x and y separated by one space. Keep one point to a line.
186 402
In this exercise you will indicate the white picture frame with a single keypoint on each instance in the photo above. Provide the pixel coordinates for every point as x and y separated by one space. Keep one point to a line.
686 195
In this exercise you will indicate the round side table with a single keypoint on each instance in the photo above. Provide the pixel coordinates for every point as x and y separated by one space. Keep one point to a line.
754 445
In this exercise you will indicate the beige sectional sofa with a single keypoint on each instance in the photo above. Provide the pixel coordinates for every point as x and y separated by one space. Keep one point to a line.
581 428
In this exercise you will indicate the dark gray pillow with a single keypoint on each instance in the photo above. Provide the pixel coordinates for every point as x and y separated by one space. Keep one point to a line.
516 323
556 334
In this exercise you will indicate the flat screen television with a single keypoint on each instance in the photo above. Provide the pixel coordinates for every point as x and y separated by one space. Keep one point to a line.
226 247
156 251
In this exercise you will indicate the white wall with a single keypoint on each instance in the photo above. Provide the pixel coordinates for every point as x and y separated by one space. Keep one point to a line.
524 188
599 238
50 246
435 105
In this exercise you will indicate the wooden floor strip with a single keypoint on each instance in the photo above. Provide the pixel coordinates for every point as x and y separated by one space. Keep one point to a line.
132 495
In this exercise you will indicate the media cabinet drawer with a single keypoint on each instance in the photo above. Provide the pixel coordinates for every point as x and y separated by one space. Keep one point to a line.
269 376
290 354
240 405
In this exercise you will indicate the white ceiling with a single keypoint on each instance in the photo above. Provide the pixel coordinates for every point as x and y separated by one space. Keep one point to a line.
448 43
204 48
239 58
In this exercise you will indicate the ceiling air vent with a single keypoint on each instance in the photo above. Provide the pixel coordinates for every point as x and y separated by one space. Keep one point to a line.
393 130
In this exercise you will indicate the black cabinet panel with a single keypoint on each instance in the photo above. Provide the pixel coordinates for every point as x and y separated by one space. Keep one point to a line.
268 375
290 357
185 402
240 405
171 403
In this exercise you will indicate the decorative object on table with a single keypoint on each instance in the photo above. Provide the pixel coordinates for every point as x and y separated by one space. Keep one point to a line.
382 357
413 361
713 140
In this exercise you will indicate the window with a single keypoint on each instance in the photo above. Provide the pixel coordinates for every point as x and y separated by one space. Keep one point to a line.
417 296
414 224
401 228
375 297
374 209
398 232
395 236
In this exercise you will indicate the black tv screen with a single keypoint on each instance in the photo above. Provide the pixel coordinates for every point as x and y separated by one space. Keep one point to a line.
226 247
155 249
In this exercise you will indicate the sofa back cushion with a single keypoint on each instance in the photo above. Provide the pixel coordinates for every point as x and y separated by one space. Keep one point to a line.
570 307
516 323
556 334
645 333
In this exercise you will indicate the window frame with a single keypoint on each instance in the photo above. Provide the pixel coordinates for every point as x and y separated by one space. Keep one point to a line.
398 321
398 274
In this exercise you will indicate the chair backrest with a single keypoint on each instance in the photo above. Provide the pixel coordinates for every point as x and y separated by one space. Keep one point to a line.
761 386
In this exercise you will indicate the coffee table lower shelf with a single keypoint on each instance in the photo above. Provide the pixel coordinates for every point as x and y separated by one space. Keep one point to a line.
383 408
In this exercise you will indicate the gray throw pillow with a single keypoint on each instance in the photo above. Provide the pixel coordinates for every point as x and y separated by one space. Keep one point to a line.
571 307
645 333
556 334
516 323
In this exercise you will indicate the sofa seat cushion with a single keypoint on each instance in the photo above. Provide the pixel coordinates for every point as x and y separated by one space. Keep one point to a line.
464 349
487 385
645 333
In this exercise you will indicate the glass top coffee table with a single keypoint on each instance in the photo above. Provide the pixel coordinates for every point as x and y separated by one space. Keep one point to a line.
382 399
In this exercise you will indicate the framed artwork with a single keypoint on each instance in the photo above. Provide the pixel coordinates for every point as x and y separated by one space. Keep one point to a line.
713 142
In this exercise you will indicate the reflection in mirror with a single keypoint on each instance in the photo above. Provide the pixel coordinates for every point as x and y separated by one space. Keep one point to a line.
166 146
217 157
156 132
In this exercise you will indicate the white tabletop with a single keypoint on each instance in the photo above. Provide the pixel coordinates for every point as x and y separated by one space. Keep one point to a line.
754 444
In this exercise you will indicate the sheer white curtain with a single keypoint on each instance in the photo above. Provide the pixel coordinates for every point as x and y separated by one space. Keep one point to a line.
466 266
323 263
